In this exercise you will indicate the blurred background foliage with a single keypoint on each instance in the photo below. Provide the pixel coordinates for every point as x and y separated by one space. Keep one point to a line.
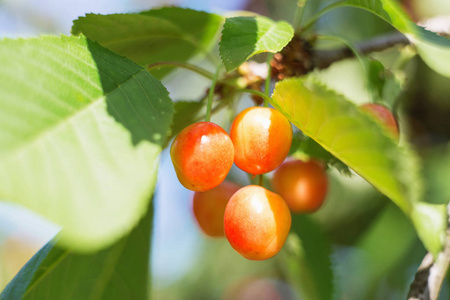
374 250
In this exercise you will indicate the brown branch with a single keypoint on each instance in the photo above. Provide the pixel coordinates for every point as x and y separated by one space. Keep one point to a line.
324 58
299 58
430 275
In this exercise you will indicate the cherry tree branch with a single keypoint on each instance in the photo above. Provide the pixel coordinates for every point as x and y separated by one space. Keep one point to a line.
324 58
430 275
299 58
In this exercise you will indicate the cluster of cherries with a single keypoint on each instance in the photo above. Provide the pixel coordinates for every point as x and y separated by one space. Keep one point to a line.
255 220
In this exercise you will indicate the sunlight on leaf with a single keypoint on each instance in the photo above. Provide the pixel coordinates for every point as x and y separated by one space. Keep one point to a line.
347 133
80 136
358 141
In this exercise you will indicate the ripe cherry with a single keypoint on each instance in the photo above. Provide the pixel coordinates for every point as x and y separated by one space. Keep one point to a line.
202 155
209 207
383 114
257 222
262 137
303 185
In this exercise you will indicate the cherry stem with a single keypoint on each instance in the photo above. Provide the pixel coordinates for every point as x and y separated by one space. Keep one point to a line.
299 12
188 66
255 92
261 180
268 78
406 54
211 95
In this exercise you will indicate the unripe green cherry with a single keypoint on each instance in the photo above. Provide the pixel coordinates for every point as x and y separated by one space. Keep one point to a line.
202 155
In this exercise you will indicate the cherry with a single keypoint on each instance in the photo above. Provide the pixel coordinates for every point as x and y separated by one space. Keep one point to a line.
383 114
303 185
202 155
257 222
262 137
209 207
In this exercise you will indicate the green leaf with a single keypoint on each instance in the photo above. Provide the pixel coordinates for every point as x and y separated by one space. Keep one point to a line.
350 135
307 259
433 49
304 147
166 34
384 86
346 77
376 78
357 140
243 37
118 272
430 221
393 86
81 129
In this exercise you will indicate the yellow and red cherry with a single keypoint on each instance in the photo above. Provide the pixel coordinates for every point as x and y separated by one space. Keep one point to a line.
262 138
303 185
384 115
209 207
257 222
202 155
